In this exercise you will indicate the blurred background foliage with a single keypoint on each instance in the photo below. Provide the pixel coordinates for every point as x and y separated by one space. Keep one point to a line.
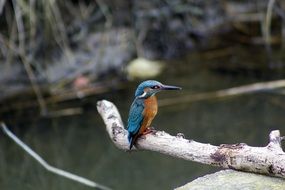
49 44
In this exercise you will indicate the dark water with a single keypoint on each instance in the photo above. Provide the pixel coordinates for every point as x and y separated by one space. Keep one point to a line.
79 144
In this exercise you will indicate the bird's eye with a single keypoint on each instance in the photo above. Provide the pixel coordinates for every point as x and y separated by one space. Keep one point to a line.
155 87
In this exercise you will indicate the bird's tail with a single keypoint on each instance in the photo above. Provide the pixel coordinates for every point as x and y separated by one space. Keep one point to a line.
131 140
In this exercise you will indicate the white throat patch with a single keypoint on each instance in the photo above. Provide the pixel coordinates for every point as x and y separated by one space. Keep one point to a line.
143 95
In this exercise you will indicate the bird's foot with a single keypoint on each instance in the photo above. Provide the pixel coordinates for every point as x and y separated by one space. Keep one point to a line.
149 130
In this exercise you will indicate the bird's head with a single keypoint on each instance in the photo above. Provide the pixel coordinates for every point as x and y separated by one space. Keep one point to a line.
151 87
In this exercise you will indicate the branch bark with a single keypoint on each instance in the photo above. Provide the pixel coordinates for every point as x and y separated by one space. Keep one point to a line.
268 160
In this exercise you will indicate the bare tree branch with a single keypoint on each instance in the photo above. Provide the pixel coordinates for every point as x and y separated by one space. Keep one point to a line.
269 160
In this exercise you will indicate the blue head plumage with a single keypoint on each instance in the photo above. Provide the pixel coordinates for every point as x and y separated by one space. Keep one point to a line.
146 84
151 87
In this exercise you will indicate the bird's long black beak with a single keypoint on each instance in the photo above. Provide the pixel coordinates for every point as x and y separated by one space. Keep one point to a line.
168 87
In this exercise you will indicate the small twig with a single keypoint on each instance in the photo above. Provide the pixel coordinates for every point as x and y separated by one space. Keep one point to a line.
2 3
12 49
266 29
20 26
105 10
65 112
267 24
33 25
34 84
239 90
62 96
281 13
23 56
59 24
49 167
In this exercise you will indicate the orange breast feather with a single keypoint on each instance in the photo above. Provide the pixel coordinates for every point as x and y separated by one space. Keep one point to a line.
149 112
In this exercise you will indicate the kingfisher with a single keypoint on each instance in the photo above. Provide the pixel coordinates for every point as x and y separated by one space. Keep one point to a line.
144 109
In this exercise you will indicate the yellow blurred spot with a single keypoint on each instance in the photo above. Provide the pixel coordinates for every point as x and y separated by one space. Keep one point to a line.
143 68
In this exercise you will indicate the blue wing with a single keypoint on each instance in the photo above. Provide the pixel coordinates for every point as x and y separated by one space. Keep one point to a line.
135 119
